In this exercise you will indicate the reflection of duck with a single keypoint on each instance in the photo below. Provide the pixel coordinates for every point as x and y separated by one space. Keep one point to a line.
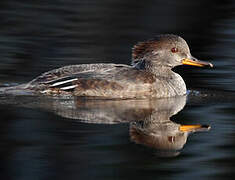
150 123
150 75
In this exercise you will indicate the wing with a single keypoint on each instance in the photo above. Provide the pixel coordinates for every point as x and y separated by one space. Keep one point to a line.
97 80
66 77
83 70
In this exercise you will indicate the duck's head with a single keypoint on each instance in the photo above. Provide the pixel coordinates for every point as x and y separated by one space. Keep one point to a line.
165 51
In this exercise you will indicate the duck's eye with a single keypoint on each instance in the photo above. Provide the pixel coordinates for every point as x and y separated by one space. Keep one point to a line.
174 50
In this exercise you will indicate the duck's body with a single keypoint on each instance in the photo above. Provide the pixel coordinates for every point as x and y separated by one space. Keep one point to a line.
150 75
108 81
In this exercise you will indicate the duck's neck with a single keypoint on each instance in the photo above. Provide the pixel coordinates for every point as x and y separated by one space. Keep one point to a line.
158 70
172 80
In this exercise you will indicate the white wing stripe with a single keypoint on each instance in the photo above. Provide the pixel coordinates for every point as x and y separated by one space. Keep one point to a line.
69 87
63 82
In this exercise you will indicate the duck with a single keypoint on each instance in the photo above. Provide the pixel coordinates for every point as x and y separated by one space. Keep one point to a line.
150 74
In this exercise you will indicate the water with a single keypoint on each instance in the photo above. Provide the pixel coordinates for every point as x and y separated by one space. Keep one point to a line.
44 138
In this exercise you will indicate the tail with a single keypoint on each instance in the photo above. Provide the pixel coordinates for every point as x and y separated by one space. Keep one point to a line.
15 90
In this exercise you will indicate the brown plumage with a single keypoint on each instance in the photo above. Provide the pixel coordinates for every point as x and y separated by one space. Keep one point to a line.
98 80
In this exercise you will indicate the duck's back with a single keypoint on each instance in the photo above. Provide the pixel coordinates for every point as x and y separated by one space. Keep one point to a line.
96 80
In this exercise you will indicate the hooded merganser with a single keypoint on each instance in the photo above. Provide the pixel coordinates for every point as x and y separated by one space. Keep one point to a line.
150 75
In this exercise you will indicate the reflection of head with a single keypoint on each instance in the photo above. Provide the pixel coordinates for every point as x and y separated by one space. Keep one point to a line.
166 136
161 139
157 130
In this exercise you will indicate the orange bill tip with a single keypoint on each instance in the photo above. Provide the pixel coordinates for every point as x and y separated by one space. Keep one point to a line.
192 128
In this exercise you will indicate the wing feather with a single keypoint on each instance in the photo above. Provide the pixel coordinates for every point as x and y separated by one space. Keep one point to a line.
76 71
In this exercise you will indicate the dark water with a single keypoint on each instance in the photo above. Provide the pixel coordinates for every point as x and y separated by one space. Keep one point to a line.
44 138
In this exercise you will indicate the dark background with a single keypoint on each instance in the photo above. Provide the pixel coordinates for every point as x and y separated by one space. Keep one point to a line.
37 36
